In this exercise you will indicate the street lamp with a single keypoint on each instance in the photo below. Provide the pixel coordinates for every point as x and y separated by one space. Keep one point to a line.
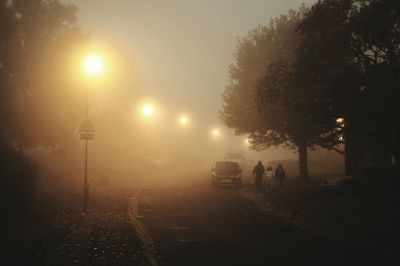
183 120
215 133
340 121
92 66
147 111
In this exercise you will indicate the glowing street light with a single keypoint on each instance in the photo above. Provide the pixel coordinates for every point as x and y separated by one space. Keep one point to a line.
148 110
93 64
340 121
183 120
215 133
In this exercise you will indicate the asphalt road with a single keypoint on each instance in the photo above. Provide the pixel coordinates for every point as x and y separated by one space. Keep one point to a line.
201 225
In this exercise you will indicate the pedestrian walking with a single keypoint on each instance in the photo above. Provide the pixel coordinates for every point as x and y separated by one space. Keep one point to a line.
280 175
268 180
258 173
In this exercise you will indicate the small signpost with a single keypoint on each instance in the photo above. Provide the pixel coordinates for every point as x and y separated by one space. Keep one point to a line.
87 130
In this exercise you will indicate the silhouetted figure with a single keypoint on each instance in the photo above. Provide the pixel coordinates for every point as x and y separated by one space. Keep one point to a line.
258 173
280 175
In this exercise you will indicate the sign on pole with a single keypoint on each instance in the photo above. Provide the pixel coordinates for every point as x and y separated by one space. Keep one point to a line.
87 130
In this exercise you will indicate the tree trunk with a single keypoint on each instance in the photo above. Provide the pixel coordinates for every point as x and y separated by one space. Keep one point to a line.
303 161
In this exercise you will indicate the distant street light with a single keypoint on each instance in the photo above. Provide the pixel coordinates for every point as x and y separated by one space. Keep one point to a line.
340 121
215 133
92 66
147 110
183 120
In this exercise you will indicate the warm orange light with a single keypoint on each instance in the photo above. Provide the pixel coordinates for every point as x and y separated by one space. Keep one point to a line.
93 64
340 121
183 120
215 133
148 110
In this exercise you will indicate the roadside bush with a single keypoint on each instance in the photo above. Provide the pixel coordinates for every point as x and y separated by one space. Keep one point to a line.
18 178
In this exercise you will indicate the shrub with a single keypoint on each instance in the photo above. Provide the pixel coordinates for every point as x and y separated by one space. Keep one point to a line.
18 179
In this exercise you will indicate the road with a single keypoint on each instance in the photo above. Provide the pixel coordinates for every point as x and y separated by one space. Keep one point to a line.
201 225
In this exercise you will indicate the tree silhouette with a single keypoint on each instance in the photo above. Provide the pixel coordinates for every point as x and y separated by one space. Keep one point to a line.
266 95
35 99
350 56
35 38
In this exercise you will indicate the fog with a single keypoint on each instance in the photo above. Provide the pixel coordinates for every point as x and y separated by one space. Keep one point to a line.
172 56
176 59
133 132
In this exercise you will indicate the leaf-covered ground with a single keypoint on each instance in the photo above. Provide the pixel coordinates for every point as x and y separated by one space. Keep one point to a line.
56 233
362 219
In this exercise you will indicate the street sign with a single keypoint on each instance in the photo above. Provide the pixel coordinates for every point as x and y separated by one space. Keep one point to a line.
87 130
87 126
88 136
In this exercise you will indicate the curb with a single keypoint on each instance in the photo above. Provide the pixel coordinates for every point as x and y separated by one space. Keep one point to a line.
133 213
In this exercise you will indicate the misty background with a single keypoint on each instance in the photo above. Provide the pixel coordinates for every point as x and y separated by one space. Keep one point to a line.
175 54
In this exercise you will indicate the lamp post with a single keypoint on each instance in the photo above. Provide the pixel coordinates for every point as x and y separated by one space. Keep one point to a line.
147 111
93 65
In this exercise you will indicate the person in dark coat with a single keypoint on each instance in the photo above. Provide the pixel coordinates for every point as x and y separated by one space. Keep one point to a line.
258 173
280 175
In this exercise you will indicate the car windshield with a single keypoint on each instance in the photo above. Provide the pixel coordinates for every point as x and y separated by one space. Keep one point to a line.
226 166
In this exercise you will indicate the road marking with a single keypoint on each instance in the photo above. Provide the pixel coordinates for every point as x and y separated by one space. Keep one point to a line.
140 230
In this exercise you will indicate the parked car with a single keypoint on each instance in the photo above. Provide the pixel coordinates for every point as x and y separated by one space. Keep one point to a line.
370 178
226 173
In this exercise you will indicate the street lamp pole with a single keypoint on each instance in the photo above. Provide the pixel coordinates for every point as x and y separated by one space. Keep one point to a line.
93 66
145 150
147 112
86 184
